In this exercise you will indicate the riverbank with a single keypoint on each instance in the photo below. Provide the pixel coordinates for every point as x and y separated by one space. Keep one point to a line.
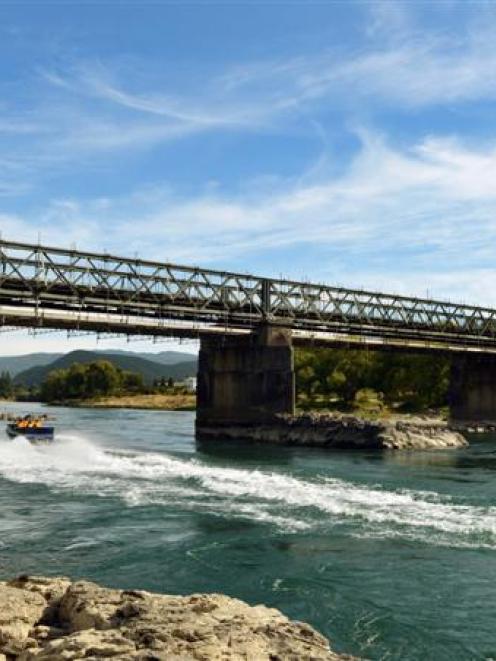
54 618
163 402
152 402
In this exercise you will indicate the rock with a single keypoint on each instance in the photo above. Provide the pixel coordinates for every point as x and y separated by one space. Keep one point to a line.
50 588
87 644
19 611
201 626
86 606
338 431
52 618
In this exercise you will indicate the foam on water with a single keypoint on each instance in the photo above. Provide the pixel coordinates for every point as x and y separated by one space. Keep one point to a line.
282 500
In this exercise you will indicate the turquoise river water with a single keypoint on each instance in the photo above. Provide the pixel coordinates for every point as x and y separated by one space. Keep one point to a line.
392 556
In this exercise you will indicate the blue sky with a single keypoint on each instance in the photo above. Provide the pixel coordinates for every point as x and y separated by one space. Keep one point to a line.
346 142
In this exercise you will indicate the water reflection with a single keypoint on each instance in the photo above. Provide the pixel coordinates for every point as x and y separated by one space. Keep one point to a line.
241 452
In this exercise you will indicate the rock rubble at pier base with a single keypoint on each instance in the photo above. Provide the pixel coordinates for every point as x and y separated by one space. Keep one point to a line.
46 619
338 431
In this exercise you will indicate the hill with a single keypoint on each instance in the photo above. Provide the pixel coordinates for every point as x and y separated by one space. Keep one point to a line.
134 363
162 357
16 364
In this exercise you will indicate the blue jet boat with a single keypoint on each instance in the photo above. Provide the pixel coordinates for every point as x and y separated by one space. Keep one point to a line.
36 430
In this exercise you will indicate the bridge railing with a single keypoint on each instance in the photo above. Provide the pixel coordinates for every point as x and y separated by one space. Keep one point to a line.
53 277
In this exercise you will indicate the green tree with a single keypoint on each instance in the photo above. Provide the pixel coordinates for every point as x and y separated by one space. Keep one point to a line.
414 382
84 381
76 381
132 382
103 378
6 385
53 388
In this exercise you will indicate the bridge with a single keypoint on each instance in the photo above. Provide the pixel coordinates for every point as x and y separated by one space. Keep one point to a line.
247 325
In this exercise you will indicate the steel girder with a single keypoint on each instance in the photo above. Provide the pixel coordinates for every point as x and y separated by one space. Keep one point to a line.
53 278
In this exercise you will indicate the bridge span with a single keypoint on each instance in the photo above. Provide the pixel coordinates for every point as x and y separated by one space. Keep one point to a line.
247 324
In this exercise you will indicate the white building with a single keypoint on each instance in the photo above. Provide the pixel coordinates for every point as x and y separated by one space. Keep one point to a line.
190 383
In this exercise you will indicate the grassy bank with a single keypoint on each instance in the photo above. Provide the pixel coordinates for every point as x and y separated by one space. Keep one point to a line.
165 402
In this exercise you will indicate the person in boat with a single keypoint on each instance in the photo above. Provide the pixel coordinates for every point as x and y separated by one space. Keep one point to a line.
28 422
23 423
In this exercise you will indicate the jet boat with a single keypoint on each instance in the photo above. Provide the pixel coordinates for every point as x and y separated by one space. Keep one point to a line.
36 430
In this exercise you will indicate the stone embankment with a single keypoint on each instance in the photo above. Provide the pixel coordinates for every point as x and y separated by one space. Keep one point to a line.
46 619
338 431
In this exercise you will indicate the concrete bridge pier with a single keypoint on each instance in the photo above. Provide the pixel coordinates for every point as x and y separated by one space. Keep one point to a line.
473 388
244 380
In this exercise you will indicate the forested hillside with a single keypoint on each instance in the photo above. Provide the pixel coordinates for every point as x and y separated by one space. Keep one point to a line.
149 369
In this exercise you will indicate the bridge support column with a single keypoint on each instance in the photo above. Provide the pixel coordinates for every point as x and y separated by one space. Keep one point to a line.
245 380
473 388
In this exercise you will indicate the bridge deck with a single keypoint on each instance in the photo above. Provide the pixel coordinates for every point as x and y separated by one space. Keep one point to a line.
49 287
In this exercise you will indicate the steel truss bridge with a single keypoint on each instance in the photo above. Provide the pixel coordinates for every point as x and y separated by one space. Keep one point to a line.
53 288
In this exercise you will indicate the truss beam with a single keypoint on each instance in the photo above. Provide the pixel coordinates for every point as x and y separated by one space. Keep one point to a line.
45 280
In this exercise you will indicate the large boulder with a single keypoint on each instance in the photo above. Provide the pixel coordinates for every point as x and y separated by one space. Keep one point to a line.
198 627
55 619
19 612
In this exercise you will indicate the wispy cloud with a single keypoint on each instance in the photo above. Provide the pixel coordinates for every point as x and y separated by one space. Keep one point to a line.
427 210
432 70
94 108
18 127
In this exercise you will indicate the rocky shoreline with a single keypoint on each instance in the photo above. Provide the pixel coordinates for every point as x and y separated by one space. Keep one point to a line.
337 431
46 619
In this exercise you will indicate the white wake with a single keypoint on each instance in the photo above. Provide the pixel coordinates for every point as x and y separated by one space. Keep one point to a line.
285 501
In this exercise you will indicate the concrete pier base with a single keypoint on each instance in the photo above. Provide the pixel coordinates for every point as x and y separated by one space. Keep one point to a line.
243 380
473 389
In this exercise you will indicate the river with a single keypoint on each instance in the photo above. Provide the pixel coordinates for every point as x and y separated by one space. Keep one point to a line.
392 555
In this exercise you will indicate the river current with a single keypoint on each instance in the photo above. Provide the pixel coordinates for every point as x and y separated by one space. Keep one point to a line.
392 555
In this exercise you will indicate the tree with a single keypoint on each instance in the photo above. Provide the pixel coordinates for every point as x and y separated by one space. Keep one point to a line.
414 382
85 381
132 382
6 385
53 388
103 378
76 381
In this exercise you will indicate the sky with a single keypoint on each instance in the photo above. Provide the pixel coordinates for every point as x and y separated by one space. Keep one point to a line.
349 142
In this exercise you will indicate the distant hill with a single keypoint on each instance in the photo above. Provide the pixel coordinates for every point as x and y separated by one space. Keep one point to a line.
127 361
16 364
162 357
